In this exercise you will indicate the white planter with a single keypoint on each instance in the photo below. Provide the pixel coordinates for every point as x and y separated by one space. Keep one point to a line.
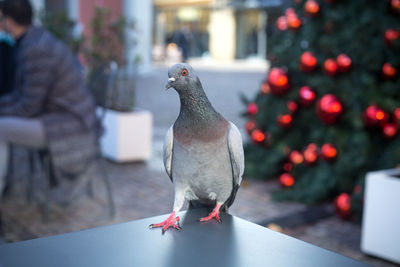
127 136
381 219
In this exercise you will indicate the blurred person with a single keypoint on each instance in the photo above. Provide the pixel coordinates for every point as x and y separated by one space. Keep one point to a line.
7 62
183 41
50 107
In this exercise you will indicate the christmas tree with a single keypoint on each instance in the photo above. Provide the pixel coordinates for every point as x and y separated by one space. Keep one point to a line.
329 108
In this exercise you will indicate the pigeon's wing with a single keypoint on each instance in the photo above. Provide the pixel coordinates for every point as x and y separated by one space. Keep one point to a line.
167 151
235 146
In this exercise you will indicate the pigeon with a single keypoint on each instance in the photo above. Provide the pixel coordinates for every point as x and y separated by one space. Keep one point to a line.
203 152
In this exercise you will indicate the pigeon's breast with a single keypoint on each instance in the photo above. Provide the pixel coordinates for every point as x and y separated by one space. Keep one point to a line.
203 167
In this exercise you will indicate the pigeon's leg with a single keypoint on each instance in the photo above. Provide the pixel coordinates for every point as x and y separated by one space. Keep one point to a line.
213 214
172 220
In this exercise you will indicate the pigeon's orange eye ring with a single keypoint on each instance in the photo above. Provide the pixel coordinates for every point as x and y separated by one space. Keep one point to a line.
184 72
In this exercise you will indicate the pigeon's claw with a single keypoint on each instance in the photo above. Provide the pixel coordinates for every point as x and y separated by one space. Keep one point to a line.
214 214
172 221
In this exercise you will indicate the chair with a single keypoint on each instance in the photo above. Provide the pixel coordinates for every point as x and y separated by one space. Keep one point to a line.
101 98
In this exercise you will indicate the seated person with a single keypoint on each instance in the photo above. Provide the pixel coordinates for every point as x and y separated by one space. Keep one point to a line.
50 107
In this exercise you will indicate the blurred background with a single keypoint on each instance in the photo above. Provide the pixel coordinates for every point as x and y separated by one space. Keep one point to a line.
304 80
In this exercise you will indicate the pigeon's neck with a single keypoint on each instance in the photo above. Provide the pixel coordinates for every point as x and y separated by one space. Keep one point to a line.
197 119
196 108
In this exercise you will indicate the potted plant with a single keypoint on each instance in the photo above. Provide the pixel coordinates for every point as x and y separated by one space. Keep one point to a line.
128 130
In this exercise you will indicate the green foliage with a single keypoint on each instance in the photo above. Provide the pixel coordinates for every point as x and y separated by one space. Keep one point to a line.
61 26
107 45
357 29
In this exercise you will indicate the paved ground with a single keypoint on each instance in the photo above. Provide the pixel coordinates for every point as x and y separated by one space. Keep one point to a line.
143 189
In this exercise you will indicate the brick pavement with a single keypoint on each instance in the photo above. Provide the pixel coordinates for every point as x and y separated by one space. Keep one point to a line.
143 189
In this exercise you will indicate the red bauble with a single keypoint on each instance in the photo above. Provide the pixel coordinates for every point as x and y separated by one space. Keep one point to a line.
396 114
394 6
284 121
250 126
311 8
292 106
258 136
330 67
308 62
290 11
343 205
329 108
328 152
307 96
344 62
252 108
374 116
265 88
287 167
296 157
390 130
278 81
282 23
293 21
310 154
388 71
391 35
286 180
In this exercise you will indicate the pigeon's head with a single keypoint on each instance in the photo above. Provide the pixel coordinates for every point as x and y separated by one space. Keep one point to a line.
182 77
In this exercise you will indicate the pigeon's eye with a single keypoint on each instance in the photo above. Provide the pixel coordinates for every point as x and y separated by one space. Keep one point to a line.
184 72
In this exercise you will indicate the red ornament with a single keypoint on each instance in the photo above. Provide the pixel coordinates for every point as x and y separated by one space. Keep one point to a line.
307 96
252 108
344 62
310 154
390 130
292 106
265 88
329 109
396 114
287 167
391 35
296 157
284 121
394 6
293 21
374 116
330 67
278 81
290 11
282 23
308 62
286 180
311 8
328 152
388 71
250 126
258 136
343 205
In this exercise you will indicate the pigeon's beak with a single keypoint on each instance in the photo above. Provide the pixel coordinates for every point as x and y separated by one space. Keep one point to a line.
170 83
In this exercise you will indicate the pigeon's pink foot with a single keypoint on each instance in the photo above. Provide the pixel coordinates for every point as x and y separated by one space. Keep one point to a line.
214 214
172 221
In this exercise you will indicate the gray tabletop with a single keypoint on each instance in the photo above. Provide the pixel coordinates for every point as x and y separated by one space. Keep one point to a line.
235 242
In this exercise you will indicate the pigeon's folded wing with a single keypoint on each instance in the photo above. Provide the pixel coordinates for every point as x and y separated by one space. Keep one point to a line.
236 153
167 151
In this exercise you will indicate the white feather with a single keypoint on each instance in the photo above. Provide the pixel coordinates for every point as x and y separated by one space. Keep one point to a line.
235 145
167 151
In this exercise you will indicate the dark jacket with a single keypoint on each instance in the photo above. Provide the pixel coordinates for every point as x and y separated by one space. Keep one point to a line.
49 85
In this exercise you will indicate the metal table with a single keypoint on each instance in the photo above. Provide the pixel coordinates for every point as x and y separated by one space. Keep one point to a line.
235 242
